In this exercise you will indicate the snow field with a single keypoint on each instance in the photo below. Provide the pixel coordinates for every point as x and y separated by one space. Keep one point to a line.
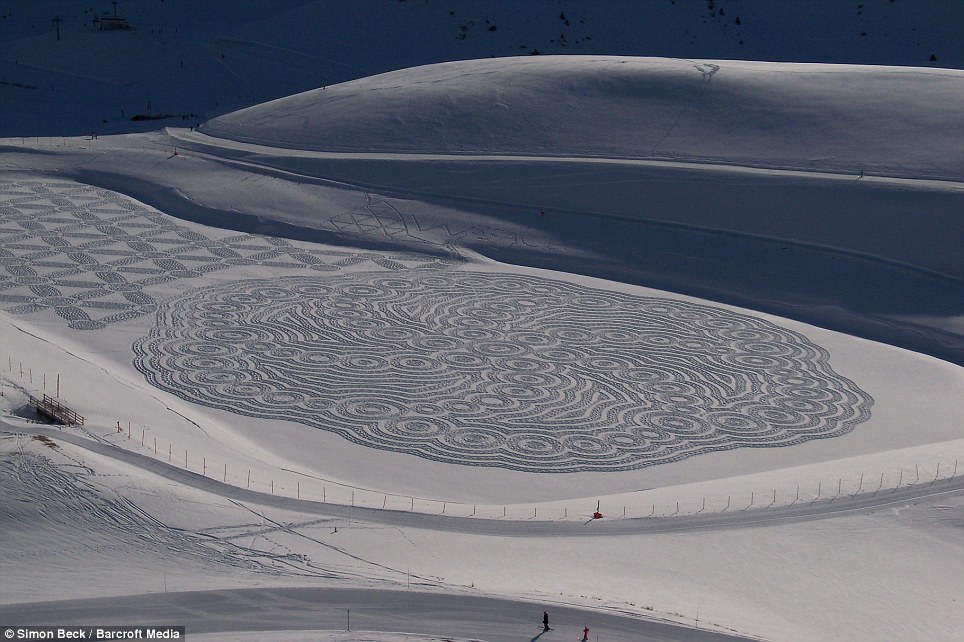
730 112
871 556
370 252
210 443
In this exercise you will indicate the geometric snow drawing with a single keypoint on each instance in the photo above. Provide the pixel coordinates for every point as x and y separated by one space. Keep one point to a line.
89 254
500 370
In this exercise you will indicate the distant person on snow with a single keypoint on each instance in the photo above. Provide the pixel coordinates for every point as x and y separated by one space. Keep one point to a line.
545 620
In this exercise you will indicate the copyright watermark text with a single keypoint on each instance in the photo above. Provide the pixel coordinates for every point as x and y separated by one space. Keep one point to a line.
92 633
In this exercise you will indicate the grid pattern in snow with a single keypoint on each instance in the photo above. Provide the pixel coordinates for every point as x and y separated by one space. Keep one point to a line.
91 255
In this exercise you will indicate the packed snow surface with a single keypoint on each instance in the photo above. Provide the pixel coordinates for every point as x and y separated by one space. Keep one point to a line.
891 121
185 62
639 342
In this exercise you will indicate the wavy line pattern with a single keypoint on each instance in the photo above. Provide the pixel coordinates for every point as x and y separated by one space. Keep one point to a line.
499 370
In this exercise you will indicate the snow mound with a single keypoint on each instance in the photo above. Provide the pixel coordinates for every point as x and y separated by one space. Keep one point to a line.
888 120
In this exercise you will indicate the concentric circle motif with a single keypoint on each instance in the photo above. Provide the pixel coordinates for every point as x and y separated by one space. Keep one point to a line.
508 371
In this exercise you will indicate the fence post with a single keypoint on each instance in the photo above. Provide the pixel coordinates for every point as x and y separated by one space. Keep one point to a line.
249 478
225 473
185 459
859 487
938 473
899 481
727 504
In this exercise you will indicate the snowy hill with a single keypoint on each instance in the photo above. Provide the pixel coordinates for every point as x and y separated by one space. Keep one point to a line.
890 121
184 62
670 348
656 172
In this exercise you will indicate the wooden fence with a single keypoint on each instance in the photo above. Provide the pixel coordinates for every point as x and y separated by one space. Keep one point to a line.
56 411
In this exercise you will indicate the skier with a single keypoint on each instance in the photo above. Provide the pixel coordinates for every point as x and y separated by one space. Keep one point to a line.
585 635
545 620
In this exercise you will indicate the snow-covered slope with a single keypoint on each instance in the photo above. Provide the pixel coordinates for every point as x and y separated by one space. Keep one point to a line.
803 190
409 332
891 121
184 62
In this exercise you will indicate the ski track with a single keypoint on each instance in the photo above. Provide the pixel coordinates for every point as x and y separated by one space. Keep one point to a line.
803 511
270 161
218 147
472 617
66 495
68 498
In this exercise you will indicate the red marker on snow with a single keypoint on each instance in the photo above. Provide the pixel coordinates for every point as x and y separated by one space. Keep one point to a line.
597 514
585 635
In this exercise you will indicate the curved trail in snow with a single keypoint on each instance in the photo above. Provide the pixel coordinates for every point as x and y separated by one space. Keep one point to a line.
203 142
515 528
475 617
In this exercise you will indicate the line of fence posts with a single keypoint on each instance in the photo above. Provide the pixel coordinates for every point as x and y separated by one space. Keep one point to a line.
626 510
443 505
29 374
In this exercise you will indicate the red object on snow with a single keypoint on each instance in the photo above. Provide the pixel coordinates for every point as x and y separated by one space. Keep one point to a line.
597 515
585 635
